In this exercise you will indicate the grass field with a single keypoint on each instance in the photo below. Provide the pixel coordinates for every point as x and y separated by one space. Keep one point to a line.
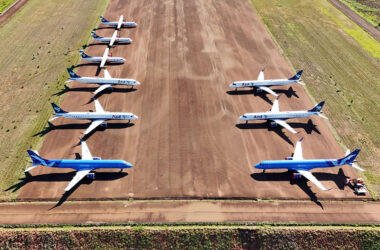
193 237
341 67
368 9
4 4
37 44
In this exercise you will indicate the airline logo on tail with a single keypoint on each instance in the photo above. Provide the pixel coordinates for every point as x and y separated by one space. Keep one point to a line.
72 74
37 160
349 159
297 76
318 107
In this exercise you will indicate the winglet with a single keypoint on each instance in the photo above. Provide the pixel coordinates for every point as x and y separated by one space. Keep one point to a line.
301 139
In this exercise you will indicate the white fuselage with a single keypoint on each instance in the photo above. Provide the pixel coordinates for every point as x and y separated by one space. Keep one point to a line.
264 83
278 115
124 24
109 59
117 39
98 116
101 81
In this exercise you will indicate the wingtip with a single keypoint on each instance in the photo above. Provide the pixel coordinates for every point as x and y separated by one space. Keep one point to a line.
301 139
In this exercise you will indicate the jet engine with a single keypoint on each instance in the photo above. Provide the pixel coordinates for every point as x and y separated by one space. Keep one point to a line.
91 176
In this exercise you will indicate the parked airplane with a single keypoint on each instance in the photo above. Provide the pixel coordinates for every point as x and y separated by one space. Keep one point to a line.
106 58
278 117
98 118
262 85
114 39
84 167
298 164
119 24
106 82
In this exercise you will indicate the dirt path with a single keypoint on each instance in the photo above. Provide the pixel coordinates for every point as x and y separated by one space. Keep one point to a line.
187 142
189 211
357 19
5 16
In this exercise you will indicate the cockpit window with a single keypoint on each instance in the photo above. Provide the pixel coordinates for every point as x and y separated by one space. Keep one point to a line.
234 84
244 116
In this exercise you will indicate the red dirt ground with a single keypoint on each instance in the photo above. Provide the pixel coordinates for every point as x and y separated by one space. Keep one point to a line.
187 142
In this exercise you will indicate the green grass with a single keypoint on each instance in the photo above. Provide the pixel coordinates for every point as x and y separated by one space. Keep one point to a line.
4 4
367 9
36 44
367 42
341 67
194 237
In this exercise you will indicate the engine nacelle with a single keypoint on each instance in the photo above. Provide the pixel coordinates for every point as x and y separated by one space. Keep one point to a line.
273 124
288 158
296 176
103 125
259 90
91 176
96 158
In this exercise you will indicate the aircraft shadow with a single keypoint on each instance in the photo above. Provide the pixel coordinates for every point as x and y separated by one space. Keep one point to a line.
71 126
104 44
302 183
111 28
309 127
64 177
92 89
289 93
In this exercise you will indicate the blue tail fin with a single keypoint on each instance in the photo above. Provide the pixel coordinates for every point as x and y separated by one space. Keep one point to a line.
57 109
83 55
94 35
103 19
350 158
297 76
37 160
318 107
72 74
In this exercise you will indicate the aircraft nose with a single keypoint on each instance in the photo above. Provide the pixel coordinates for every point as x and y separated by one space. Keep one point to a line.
135 117
128 165
257 165
137 83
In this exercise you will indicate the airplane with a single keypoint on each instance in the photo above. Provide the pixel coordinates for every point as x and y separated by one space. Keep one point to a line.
106 82
98 118
119 24
106 58
84 166
298 164
114 39
262 85
279 117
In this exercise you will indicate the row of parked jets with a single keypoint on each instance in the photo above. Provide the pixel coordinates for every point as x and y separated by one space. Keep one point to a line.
296 163
87 164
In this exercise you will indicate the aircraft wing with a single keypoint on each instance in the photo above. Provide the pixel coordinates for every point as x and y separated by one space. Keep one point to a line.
104 58
93 126
261 76
268 90
120 22
86 154
308 175
77 178
101 88
297 155
285 125
98 107
107 74
113 38
275 107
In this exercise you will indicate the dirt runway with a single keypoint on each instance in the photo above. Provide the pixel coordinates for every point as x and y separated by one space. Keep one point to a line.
187 142
168 211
